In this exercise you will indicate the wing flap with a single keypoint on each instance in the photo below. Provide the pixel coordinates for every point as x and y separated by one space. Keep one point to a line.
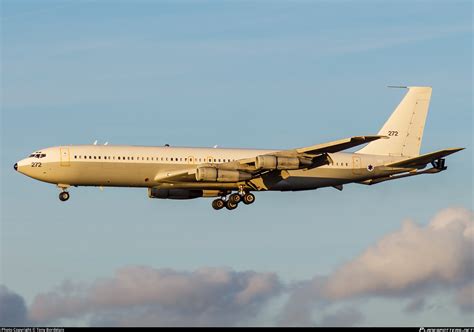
425 158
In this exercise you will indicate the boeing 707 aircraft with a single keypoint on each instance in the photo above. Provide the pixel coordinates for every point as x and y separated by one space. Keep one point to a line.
231 175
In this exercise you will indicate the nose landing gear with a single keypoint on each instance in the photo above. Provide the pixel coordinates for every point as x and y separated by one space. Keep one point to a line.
63 196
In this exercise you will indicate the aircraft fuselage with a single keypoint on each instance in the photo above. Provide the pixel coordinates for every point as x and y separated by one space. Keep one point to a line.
134 166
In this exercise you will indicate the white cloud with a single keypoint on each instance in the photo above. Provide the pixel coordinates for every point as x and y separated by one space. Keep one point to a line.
343 317
208 296
410 263
465 298
415 256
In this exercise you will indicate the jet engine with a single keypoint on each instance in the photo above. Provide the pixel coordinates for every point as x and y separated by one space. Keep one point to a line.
274 162
211 174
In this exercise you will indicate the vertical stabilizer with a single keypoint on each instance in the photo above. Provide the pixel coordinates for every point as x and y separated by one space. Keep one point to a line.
405 126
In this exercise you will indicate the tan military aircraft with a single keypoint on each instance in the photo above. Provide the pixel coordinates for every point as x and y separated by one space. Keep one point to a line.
232 174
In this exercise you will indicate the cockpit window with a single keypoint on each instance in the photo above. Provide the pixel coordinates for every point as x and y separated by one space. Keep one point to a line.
37 155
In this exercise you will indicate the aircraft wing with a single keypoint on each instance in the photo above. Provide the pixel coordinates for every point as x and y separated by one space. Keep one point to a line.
425 158
318 149
336 146
309 157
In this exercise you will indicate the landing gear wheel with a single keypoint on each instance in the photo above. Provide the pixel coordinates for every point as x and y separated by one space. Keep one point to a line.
218 204
230 205
63 196
248 198
235 198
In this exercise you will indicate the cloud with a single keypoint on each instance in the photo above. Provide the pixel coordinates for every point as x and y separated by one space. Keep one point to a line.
414 257
415 306
465 298
208 296
343 317
304 296
13 311
410 264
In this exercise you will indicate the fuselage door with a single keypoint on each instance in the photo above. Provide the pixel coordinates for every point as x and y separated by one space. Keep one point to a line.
64 155
356 166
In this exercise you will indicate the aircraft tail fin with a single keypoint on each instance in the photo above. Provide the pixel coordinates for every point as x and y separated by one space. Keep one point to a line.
404 127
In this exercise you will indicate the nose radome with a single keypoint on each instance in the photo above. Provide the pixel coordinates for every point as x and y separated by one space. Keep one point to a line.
15 166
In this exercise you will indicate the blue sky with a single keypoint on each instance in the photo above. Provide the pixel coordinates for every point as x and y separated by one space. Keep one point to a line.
238 74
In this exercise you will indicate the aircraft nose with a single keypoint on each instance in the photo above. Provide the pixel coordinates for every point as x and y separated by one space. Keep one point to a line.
15 166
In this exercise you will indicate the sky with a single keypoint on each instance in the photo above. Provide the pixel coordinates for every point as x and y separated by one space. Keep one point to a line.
256 74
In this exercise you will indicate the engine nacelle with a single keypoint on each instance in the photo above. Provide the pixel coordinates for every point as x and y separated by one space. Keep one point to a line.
174 193
211 174
274 162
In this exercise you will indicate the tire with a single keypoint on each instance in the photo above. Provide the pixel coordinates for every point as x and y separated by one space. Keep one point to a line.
235 198
64 196
230 205
248 198
218 204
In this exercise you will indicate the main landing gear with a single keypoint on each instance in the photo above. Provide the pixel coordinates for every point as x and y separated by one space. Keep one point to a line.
233 201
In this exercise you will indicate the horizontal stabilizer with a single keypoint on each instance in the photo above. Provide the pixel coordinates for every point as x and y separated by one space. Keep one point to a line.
424 159
432 170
